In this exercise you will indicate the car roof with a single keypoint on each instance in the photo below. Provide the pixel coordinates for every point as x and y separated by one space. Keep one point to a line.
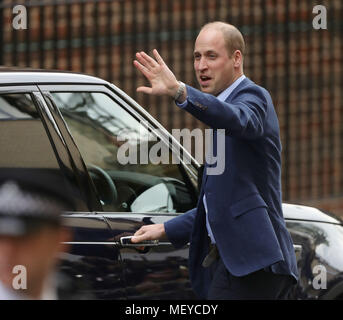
15 75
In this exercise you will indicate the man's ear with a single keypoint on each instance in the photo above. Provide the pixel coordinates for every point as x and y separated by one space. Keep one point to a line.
237 58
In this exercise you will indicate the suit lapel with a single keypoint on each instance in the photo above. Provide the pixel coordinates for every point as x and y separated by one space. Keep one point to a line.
243 84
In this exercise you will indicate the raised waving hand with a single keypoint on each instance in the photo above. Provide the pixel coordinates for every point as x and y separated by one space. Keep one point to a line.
161 78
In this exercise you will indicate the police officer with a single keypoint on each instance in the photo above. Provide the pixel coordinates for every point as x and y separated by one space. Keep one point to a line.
31 234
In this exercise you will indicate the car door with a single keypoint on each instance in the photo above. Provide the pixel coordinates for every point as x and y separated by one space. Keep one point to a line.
119 148
31 141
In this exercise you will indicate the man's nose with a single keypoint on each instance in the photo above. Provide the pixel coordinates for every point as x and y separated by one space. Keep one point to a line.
202 65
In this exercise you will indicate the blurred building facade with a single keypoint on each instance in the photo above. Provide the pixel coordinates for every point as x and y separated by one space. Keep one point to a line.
300 65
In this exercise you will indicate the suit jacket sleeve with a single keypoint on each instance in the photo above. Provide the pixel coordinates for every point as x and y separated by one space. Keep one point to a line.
179 229
244 117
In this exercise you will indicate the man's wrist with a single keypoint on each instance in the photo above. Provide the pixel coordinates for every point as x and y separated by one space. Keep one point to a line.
180 94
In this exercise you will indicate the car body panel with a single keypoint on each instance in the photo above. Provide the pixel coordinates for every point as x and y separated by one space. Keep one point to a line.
301 212
91 268
160 272
320 260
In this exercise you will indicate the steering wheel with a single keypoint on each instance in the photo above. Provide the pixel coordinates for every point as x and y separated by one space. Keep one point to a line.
111 194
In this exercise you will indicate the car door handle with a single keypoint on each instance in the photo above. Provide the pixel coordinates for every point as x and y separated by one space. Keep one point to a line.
126 242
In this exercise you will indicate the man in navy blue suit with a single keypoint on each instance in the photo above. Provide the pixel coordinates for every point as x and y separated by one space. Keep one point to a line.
239 245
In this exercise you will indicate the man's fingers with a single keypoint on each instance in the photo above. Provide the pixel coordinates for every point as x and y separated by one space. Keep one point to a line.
148 59
146 90
158 57
140 235
149 232
140 232
142 69
143 61
137 239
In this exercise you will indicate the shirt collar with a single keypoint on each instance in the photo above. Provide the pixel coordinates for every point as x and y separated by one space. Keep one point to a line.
225 94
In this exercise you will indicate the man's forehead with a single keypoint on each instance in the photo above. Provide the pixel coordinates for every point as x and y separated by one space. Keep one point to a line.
206 52
209 40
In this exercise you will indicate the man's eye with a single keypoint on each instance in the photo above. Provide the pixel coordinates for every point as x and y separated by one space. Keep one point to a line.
212 56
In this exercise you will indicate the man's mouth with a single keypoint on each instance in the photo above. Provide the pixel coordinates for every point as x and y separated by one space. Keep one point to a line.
204 80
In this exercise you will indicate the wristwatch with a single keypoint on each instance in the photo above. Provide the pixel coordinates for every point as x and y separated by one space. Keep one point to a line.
180 91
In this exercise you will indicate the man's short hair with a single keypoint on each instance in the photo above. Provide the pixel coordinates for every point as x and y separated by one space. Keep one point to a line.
232 36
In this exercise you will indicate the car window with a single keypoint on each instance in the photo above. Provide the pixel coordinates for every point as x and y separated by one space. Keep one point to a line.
115 147
23 139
